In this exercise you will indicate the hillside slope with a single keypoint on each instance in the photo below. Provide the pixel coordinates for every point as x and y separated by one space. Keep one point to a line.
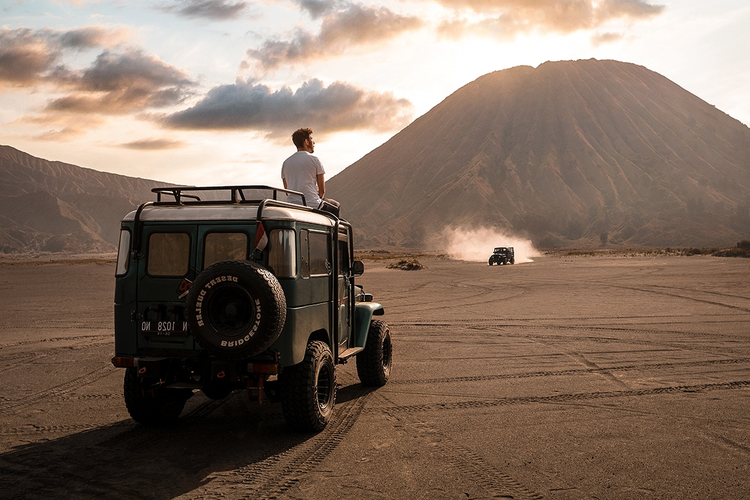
50 206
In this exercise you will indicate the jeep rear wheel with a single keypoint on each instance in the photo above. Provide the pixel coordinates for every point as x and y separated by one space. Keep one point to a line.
374 363
308 390
150 404
236 309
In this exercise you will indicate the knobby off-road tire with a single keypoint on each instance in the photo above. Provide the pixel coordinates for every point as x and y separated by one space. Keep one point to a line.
150 405
308 390
374 363
236 309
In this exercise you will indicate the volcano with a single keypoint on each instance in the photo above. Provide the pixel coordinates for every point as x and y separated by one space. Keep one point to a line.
569 154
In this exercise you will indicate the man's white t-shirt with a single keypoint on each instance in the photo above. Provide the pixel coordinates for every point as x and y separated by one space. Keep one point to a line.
301 173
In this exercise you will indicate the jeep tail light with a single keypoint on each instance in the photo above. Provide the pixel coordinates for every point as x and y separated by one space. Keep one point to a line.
265 368
123 362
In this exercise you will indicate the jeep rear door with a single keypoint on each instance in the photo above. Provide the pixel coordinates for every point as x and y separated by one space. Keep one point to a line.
167 260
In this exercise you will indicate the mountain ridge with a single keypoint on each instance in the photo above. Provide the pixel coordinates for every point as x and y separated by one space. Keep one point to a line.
52 206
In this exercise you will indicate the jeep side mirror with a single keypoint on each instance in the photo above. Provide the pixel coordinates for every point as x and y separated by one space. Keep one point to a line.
358 268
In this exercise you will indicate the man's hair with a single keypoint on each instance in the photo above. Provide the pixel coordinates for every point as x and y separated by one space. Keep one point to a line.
300 136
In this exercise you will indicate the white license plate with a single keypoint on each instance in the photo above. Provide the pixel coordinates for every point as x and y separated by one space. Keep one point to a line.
165 328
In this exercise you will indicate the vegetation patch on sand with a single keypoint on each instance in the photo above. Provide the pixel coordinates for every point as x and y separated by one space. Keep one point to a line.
406 265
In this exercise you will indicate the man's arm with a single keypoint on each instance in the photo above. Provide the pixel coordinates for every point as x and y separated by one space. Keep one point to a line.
284 179
321 185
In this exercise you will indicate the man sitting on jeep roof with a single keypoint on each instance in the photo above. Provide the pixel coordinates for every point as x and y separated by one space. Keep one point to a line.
303 171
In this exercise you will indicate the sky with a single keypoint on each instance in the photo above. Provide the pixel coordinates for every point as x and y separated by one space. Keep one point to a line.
208 92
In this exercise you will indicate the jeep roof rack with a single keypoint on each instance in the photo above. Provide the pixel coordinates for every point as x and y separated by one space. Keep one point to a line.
182 195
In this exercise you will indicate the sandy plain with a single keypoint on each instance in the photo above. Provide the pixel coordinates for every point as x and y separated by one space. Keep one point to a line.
565 378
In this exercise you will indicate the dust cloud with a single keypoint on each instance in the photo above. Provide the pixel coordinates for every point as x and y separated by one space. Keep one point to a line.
476 245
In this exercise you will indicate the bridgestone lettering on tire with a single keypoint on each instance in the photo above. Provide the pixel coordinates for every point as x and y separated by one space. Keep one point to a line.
236 309
308 390
374 363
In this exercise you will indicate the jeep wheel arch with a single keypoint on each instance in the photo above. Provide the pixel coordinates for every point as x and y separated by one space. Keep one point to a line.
236 309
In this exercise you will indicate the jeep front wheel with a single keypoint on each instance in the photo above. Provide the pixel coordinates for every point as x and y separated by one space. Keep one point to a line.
308 390
150 404
374 363
236 309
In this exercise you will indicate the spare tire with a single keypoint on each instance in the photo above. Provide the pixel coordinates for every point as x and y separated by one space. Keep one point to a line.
236 309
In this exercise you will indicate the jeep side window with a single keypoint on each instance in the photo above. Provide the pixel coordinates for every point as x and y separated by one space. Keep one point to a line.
168 254
224 246
319 252
123 253
282 254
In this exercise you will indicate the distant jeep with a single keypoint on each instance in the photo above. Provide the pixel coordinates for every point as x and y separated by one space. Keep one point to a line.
235 288
502 255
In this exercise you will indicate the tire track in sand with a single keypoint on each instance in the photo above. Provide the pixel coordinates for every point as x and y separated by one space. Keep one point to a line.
561 398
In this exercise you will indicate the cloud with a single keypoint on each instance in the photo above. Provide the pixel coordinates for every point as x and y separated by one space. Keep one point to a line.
356 25
318 8
24 56
153 144
120 80
216 10
61 127
121 83
249 106
33 57
507 18
92 37
602 38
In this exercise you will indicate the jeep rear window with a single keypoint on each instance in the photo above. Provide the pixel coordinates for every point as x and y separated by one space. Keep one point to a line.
168 254
224 246
123 253
282 253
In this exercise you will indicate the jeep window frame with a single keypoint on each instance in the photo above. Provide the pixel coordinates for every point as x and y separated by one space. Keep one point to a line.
304 253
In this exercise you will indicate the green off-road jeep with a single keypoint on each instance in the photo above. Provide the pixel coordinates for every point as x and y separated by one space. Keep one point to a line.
502 255
234 287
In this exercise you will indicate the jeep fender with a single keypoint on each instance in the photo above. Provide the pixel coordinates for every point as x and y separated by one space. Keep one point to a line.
363 313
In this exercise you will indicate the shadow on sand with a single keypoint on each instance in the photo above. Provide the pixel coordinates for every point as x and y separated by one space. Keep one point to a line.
127 460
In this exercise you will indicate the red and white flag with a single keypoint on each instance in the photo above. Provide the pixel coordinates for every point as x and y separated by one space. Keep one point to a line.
261 238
